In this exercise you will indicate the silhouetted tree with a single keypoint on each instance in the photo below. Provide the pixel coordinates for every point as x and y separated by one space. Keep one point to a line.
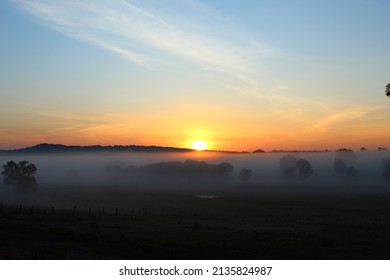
305 169
245 174
190 167
288 165
387 90
224 169
386 169
339 166
196 167
21 175
363 149
351 173
346 154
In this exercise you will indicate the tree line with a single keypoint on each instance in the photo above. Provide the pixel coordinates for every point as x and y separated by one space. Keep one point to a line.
22 174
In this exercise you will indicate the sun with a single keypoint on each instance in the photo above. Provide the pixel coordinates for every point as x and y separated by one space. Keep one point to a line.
199 145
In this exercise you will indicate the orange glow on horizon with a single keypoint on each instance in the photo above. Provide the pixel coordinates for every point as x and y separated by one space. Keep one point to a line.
199 145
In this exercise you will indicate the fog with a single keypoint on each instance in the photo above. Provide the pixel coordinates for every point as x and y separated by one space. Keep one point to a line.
202 172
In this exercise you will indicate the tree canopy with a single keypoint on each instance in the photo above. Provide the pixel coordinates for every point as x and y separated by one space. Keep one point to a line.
305 169
20 174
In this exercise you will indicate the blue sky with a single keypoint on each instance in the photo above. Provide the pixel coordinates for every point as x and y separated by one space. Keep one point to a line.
237 74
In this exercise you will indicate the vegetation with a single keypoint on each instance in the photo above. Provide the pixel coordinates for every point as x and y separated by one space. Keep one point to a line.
351 173
189 167
305 170
386 169
339 166
288 166
21 175
172 226
245 174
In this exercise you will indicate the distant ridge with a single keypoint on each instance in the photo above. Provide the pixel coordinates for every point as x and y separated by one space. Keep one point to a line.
45 148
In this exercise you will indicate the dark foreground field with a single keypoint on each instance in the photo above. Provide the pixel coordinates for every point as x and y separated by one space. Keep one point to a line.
55 224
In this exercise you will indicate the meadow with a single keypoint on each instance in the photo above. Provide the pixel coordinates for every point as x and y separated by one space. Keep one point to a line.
130 225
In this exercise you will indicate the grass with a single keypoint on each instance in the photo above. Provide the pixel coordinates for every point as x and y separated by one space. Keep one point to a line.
117 224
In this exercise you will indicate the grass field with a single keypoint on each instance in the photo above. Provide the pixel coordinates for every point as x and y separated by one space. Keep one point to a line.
118 224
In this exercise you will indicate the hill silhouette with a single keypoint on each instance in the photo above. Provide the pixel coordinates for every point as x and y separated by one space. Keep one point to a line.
45 148
60 148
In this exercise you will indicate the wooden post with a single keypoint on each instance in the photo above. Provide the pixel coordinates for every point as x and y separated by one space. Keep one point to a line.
52 210
1 208
20 208
89 211
74 210
132 213
103 210
116 211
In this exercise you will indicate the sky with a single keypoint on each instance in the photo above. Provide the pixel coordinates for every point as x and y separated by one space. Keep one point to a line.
238 75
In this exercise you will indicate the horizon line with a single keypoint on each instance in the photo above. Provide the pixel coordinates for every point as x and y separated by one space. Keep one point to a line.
188 149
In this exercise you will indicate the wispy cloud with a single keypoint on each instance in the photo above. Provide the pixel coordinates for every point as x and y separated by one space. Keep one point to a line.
330 121
147 37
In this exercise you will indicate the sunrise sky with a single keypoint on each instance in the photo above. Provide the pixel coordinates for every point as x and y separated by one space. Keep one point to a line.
239 75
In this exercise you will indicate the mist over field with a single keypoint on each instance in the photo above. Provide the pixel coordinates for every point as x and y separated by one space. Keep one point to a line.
199 205
207 172
122 122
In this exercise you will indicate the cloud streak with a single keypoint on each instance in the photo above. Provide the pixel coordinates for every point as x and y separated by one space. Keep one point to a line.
330 121
145 37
